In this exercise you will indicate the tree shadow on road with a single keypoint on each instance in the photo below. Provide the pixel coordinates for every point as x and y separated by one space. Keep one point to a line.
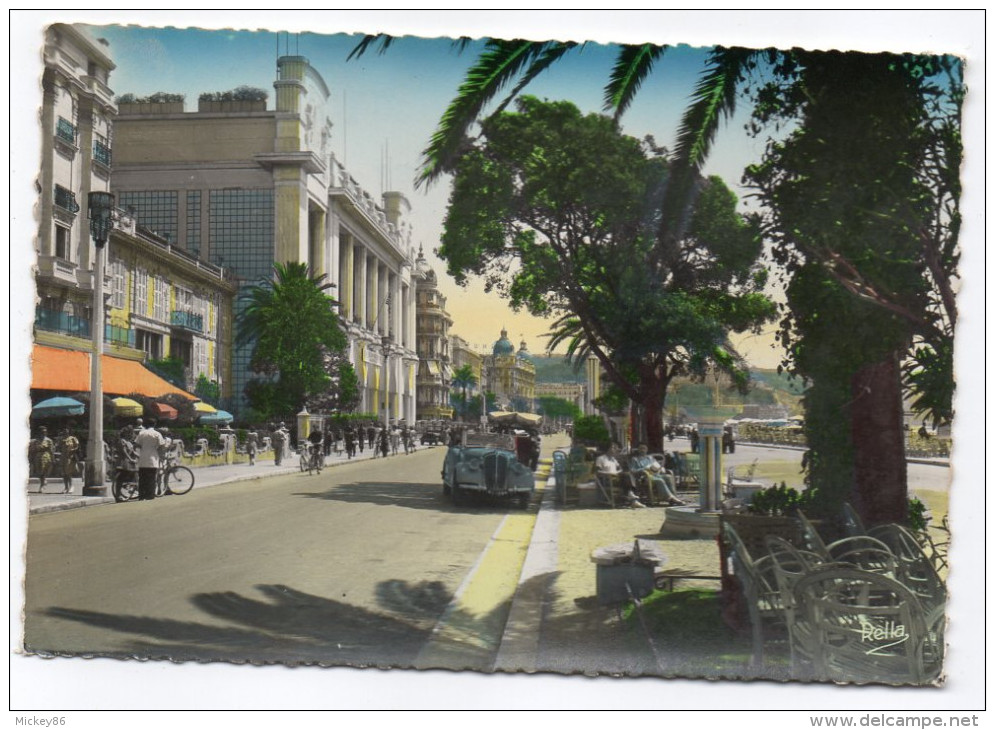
410 496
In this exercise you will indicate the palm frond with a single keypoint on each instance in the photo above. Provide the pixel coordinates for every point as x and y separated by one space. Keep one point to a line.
498 63
632 66
368 41
550 55
714 98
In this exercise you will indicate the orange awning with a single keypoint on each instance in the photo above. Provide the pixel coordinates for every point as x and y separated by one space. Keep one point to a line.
69 371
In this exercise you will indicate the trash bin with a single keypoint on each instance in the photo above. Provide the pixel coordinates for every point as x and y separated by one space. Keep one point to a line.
626 571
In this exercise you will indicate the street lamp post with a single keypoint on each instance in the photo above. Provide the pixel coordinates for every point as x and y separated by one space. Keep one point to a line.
385 341
100 205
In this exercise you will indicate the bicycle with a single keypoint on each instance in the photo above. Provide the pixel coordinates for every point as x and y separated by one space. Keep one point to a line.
311 458
171 478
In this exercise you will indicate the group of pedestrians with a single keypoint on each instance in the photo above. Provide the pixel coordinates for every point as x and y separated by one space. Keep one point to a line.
143 448
62 457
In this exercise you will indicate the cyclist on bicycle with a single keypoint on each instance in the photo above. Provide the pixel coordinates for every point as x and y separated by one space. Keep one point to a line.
317 439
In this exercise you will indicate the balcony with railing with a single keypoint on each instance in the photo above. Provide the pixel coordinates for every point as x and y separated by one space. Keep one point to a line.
187 320
101 156
51 320
66 199
65 137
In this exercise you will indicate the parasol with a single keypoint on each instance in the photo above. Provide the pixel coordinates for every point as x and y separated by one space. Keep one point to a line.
58 407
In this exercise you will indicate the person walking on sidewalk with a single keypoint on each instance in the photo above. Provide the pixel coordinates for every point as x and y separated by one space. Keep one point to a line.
279 443
149 443
68 456
361 437
252 446
41 452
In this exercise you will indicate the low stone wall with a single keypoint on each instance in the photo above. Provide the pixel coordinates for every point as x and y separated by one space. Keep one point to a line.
231 457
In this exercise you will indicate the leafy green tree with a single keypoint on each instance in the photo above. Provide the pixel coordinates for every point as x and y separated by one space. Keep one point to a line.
207 390
464 378
294 329
553 407
525 215
171 370
862 211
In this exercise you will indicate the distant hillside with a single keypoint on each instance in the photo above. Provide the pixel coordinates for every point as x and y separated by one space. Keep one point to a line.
768 385
555 369
779 381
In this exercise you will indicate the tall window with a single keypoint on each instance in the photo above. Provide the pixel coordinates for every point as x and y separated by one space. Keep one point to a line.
156 210
193 222
160 301
62 246
141 292
117 272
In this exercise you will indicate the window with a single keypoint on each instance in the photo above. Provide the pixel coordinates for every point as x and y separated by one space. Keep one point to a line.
66 199
141 292
155 210
102 150
62 247
193 222
160 301
150 343
117 272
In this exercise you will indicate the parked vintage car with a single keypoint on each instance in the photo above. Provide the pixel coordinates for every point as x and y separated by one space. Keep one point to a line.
431 438
486 464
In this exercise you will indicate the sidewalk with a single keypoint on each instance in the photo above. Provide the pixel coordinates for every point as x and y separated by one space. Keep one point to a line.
53 500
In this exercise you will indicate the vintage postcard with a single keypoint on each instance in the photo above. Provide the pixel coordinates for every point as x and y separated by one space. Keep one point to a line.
509 357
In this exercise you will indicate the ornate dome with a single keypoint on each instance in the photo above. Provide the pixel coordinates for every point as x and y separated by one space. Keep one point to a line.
523 352
423 269
504 346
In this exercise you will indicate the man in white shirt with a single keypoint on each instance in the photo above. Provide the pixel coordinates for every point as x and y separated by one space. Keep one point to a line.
608 473
148 442
659 479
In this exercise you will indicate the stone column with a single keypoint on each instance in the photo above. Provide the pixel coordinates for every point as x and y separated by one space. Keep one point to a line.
372 294
383 291
346 274
359 300
710 446
396 305
317 241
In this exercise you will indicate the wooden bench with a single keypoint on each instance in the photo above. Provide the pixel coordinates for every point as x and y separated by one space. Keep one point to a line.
665 579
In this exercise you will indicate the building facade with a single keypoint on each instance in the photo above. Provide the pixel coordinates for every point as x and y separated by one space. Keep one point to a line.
575 393
244 187
511 375
160 302
76 121
435 370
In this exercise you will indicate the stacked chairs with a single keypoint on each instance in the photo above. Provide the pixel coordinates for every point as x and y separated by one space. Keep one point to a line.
860 626
865 608
757 586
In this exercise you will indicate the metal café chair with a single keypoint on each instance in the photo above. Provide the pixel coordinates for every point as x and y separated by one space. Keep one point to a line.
756 582
865 627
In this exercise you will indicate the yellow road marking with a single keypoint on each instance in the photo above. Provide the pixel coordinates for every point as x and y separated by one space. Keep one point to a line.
470 629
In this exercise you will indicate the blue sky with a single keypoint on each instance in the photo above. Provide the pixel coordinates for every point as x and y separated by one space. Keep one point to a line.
385 107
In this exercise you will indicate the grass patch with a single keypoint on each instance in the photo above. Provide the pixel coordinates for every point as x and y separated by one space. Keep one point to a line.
692 638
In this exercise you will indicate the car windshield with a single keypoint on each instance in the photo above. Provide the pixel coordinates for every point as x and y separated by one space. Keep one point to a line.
491 440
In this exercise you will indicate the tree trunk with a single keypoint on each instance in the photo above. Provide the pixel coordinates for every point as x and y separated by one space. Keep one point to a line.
880 492
653 420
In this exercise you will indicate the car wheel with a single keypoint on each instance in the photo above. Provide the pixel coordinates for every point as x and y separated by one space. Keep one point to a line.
522 500
457 495
445 489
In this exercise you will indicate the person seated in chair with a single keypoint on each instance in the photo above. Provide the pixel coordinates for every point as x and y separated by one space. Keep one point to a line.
609 474
659 480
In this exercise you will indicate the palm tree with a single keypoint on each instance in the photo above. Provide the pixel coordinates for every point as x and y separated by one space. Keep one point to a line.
464 378
292 325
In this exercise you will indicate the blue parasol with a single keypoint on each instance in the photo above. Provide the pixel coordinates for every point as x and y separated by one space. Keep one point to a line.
58 407
218 417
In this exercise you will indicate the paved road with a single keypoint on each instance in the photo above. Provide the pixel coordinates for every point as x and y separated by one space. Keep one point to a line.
365 564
